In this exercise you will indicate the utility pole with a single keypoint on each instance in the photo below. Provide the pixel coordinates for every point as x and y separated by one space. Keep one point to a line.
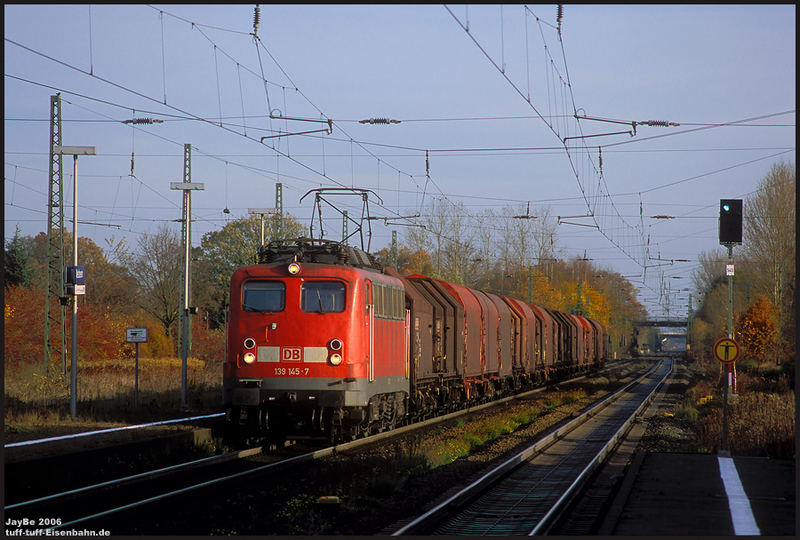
578 300
55 242
185 322
689 323
530 284
261 212
394 250
76 274
279 209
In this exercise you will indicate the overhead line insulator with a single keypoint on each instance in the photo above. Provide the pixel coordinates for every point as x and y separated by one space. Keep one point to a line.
143 121
657 123
379 121
560 16
256 20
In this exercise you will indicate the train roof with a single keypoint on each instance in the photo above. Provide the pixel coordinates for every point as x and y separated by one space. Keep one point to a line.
313 250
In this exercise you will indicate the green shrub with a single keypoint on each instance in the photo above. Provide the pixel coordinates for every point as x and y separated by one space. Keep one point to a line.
687 413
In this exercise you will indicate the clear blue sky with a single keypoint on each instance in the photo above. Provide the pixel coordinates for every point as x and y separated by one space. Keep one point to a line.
693 65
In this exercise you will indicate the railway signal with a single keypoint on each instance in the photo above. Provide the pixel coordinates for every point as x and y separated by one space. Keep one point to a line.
730 234
730 221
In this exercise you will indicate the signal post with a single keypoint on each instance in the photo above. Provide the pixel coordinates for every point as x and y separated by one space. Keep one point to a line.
727 350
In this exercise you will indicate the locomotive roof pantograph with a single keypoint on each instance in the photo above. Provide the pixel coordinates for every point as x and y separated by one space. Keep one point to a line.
312 250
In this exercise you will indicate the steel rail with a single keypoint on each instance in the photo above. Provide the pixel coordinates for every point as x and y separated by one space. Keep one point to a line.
128 480
111 430
436 514
274 466
461 412
546 522
218 415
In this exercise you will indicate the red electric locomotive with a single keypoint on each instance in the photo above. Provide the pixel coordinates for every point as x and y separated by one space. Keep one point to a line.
323 342
316 343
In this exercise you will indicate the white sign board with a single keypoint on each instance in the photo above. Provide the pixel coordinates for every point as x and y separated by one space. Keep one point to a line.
728 269
136 335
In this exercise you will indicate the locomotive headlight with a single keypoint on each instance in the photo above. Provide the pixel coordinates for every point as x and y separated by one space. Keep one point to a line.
335 344
335 359
249 358
249 343
294 268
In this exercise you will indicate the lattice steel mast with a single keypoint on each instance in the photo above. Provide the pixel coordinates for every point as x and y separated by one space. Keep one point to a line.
55 242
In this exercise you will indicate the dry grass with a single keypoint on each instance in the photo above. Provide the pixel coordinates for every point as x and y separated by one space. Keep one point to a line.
462 439
759 424
761 420
38 404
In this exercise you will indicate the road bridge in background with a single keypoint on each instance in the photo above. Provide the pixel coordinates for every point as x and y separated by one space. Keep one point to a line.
668 323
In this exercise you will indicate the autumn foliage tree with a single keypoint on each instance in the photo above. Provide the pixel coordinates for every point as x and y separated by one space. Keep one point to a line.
24 326
756 330
101 331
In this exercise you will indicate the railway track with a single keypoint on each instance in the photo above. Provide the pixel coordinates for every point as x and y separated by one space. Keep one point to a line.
84 504
94 502
526 494
117 498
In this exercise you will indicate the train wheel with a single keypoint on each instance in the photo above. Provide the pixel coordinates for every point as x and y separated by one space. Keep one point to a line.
334 427
263 419
334 433
236 413
272 435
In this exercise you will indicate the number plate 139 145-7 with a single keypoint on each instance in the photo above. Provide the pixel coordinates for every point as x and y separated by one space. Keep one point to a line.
291 371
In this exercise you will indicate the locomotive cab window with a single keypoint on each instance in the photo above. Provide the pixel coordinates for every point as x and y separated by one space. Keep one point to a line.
264 296
322 297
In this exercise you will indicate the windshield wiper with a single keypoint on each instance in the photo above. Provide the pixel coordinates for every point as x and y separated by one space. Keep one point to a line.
319 299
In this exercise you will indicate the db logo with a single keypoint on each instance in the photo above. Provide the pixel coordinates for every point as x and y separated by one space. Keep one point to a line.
291 354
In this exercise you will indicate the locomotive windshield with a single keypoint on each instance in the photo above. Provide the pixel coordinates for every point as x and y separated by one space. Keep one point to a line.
264 296
322 297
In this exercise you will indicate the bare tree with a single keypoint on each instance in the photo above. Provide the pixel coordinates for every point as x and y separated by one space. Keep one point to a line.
544 234
769 238
710 272
485 238
157 267
418 238
522 236
436 225
459 251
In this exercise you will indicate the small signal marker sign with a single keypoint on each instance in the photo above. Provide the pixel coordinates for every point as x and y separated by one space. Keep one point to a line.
726 350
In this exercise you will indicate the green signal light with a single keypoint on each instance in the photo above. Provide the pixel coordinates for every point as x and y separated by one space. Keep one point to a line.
726 207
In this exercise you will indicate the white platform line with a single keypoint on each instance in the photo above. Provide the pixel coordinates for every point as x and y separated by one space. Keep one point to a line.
741 514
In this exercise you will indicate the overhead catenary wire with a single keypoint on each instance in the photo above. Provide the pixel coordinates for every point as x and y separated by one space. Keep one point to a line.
599 197
382 157
258 42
